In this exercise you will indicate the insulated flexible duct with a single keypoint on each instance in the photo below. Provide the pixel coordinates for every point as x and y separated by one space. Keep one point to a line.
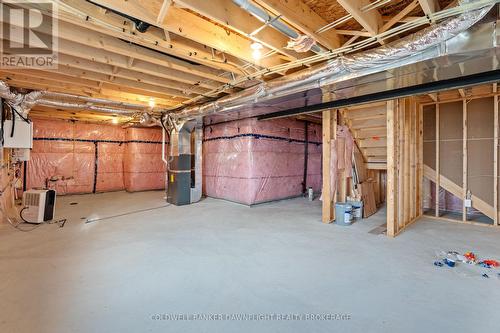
396 54
24 102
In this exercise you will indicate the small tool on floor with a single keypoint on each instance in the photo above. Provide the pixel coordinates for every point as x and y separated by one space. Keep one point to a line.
449 262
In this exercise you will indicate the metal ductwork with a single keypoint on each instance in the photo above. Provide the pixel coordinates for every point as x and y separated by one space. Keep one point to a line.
185 163
75 106
147 120
434 53
274 22
93 100
23 103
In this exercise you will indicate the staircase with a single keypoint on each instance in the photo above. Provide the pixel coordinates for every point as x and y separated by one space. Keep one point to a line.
368 125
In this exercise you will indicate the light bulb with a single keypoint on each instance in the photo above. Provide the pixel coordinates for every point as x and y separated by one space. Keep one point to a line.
152 102
114 120
256 54
256 47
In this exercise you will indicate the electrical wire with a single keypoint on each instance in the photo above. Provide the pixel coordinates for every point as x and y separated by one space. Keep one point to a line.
125 214
16 224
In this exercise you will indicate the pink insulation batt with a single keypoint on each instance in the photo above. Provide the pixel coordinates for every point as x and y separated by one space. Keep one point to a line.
250 161
143 166
58 159
65 152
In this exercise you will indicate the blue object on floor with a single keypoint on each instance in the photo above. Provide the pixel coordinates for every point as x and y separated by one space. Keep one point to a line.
485 265
449 262
438 263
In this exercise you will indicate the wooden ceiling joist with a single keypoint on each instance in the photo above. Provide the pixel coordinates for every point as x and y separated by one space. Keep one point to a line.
191 26
77 76
354 33
59 80
67 114
370 20
163 11
87 38
401 20
429 6
226 13
193 47
100 21
399 16
66 62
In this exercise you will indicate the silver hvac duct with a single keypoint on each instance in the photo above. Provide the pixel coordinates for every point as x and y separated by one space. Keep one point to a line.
75 106
22 103
94 100
147 120
429 43
272 21
184 163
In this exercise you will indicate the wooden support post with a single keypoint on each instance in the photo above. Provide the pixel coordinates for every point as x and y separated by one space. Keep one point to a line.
342 179
420 160
495 159
329 136
391 200
464 159
437 162
401 164
413 157
406 161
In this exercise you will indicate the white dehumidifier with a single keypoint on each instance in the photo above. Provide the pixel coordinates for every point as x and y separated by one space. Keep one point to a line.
39 205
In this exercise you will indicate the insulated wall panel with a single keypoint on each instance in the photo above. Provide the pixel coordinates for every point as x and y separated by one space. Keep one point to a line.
75 157
110 167
249 162
480 148
143 168
451 141
429 117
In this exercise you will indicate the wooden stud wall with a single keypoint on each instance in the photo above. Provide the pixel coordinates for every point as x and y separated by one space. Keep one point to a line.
329 137
404 164
460 190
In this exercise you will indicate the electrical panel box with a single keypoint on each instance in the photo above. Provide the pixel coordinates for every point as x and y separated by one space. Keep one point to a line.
22 137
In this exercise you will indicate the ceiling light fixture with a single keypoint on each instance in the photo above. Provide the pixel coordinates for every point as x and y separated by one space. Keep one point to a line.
256 53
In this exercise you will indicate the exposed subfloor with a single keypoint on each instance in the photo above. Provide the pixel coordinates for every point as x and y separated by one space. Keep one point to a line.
216 257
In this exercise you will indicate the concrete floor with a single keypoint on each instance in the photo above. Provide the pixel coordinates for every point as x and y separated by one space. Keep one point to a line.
216 257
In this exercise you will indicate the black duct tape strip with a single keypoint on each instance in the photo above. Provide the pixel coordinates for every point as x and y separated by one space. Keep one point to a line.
254 135
96 150
105 141
96 163
259 136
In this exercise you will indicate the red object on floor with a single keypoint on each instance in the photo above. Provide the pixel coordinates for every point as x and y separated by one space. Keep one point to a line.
492 263
470 256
